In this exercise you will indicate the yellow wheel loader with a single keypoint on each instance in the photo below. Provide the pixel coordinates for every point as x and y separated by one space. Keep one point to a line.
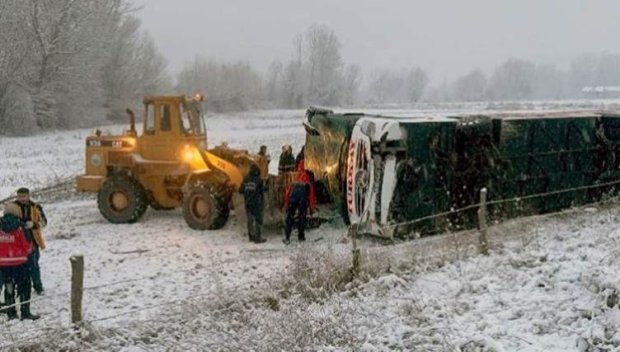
167 166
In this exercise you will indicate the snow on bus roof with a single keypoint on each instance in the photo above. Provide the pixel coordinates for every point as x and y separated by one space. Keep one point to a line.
504 115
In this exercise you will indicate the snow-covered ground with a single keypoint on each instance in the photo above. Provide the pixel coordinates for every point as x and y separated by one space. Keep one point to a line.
551 282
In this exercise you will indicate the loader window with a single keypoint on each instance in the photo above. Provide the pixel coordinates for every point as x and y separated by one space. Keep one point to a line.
164 118
192 119
149 117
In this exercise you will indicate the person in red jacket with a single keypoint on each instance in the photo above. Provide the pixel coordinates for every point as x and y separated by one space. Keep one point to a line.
14 251
299 198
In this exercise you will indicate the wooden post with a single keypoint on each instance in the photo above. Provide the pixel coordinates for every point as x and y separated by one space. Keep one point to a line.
77 288
482 223
355 251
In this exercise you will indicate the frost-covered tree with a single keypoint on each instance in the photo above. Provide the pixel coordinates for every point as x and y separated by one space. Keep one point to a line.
470 87
133 68
14 51
293 86
229 86
63 62
398 86
415 84
324 65
549 83
351 81
274 82
512 80
594 70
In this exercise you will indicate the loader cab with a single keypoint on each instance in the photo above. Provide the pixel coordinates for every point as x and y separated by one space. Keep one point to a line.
171 123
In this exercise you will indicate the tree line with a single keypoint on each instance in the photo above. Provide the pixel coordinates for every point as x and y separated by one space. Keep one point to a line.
68 63
317 74
517 79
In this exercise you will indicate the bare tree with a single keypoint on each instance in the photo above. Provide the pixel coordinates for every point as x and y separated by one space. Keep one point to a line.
415 85
398 86
63 62
324 65
230 86
550 83
351 81
470 87
512 80
273 83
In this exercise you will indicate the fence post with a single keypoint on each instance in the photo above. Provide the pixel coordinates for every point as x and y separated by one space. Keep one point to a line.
77 288
482 223
355 251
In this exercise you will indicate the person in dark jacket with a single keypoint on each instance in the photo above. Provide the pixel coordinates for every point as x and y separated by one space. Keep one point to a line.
33 216
252 189
299 160
287 160
300 197
14 251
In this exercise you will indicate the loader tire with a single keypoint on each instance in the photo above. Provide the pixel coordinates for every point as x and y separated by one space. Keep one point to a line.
205 210
122 200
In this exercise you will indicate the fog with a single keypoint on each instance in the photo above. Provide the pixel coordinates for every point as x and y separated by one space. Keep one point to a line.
446 38
66 63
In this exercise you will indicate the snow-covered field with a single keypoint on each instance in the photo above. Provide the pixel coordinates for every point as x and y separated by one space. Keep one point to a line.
551 282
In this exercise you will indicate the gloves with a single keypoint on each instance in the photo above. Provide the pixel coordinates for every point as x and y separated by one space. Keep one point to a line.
29 224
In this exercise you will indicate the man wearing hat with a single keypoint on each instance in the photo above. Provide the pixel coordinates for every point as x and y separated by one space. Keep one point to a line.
33 216
287 160
14 252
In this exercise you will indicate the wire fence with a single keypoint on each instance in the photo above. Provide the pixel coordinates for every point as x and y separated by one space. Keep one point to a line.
62 181
42 331
14 342
503 201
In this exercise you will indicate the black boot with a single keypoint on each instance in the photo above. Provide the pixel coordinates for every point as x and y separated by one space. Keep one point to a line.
30 316
11 313
27 315
260 240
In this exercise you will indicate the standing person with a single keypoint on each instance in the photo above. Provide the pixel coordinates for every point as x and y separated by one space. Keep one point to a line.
14 251
33 216
252 190
299 160
286 175
300 198
287 160
263 159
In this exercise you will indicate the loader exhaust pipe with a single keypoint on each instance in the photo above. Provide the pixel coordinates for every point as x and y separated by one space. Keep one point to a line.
132 122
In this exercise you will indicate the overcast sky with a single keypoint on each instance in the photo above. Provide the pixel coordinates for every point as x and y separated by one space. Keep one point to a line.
445 37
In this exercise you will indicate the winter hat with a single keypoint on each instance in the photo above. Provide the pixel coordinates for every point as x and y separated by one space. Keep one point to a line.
254 170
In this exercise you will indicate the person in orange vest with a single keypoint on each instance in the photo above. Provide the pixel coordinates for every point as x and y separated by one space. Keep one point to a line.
33 216
14 252
263 159
299 199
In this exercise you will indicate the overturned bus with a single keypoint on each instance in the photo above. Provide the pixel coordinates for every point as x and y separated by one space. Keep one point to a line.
384 173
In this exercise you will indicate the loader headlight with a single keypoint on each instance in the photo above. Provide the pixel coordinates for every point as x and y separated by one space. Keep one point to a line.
188 155
193 158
